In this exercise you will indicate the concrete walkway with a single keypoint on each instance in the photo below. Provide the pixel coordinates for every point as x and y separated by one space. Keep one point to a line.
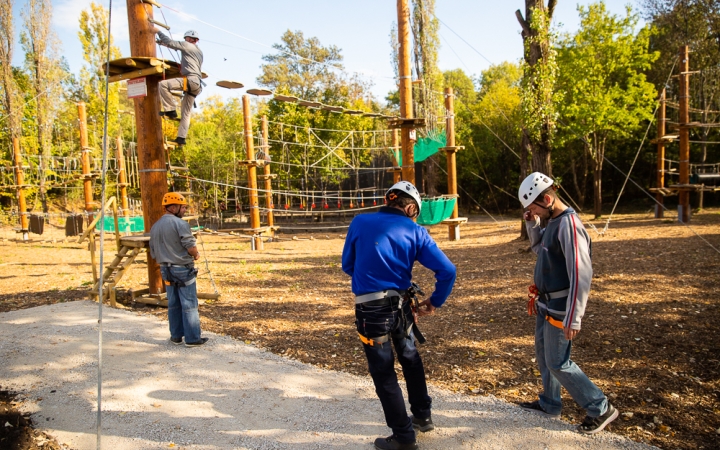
226 395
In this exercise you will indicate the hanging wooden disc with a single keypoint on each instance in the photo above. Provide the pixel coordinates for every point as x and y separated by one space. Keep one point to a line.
227 84
259 92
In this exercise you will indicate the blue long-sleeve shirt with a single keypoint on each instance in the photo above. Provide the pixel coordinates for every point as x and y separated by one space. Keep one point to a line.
381 249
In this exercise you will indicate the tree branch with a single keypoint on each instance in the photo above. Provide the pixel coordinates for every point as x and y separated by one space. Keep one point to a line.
525 26
551 8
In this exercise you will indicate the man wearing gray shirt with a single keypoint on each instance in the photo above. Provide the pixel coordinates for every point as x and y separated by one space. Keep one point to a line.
172 245
191 71
563 273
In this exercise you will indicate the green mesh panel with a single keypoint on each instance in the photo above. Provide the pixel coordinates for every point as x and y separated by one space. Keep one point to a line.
436 210
425 147
126 224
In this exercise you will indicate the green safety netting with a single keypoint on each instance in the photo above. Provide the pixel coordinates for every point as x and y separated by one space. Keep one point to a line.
125 224
435 210
425 147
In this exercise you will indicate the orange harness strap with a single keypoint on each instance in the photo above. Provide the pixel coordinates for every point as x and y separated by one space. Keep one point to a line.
554 322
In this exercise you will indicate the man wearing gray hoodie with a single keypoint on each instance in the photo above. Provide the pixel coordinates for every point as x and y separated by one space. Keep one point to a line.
190 82
563 273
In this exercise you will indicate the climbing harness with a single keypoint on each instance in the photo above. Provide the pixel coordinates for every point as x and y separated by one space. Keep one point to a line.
534 295
175 282
393 298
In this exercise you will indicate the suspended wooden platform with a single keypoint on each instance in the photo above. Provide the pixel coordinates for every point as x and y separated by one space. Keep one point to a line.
142 66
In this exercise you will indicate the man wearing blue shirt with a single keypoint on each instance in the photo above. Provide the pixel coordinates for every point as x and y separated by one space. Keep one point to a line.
379 254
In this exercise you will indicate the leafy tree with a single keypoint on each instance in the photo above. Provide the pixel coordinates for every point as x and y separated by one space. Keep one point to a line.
539 74
94 38
605 93
302 66
10 98
44 68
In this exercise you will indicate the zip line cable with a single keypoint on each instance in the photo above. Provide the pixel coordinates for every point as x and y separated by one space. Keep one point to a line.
103 189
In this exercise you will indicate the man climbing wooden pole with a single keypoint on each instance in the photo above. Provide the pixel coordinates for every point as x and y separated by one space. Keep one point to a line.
19 183
150 148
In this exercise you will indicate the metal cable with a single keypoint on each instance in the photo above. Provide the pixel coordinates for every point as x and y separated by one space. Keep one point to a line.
102 235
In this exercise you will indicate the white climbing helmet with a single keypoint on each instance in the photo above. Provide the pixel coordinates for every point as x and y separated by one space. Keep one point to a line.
192 33
408 188
532 186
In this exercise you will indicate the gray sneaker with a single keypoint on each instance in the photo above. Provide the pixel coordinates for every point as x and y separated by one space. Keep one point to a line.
198 343
592 425
536 408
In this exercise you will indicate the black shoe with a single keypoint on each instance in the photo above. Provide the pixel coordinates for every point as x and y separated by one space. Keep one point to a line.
198 343
423 425
169 114
536 408
389 443
177 341
592 425
179 141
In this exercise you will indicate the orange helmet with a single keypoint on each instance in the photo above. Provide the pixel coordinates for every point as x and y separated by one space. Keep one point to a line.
173 198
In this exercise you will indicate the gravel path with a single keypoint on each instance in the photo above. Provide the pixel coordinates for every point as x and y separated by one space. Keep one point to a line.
226 394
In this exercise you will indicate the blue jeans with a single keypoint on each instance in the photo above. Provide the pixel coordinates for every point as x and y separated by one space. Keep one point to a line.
375 321
552 351
182 303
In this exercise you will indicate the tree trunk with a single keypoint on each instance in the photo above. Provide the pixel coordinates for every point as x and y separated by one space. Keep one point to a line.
534 54
597 179
525 150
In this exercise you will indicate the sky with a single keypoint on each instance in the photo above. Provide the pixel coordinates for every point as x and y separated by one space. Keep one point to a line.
234 34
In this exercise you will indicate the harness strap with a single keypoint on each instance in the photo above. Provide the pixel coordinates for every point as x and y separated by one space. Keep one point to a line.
376 296
372 341
554 322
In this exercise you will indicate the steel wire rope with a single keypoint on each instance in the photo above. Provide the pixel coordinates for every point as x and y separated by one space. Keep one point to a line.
299 57
103 195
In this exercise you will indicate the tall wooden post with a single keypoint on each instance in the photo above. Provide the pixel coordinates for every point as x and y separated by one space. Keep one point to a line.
20 191
122 177
684 192
451 151
266 174
252 173
396 170
86 171
659 197
150 149
406 105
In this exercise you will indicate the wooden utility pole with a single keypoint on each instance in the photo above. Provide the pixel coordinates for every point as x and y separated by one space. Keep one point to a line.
150 148
86 171
683 189
396 170
267 176
252 174
20 190
406 105
451 150
659 197
122 177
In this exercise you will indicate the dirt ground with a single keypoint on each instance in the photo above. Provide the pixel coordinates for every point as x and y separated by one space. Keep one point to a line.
649 337
16 429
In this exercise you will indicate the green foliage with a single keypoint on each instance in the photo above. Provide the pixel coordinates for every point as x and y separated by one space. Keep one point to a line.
602 82
538 98
94 37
